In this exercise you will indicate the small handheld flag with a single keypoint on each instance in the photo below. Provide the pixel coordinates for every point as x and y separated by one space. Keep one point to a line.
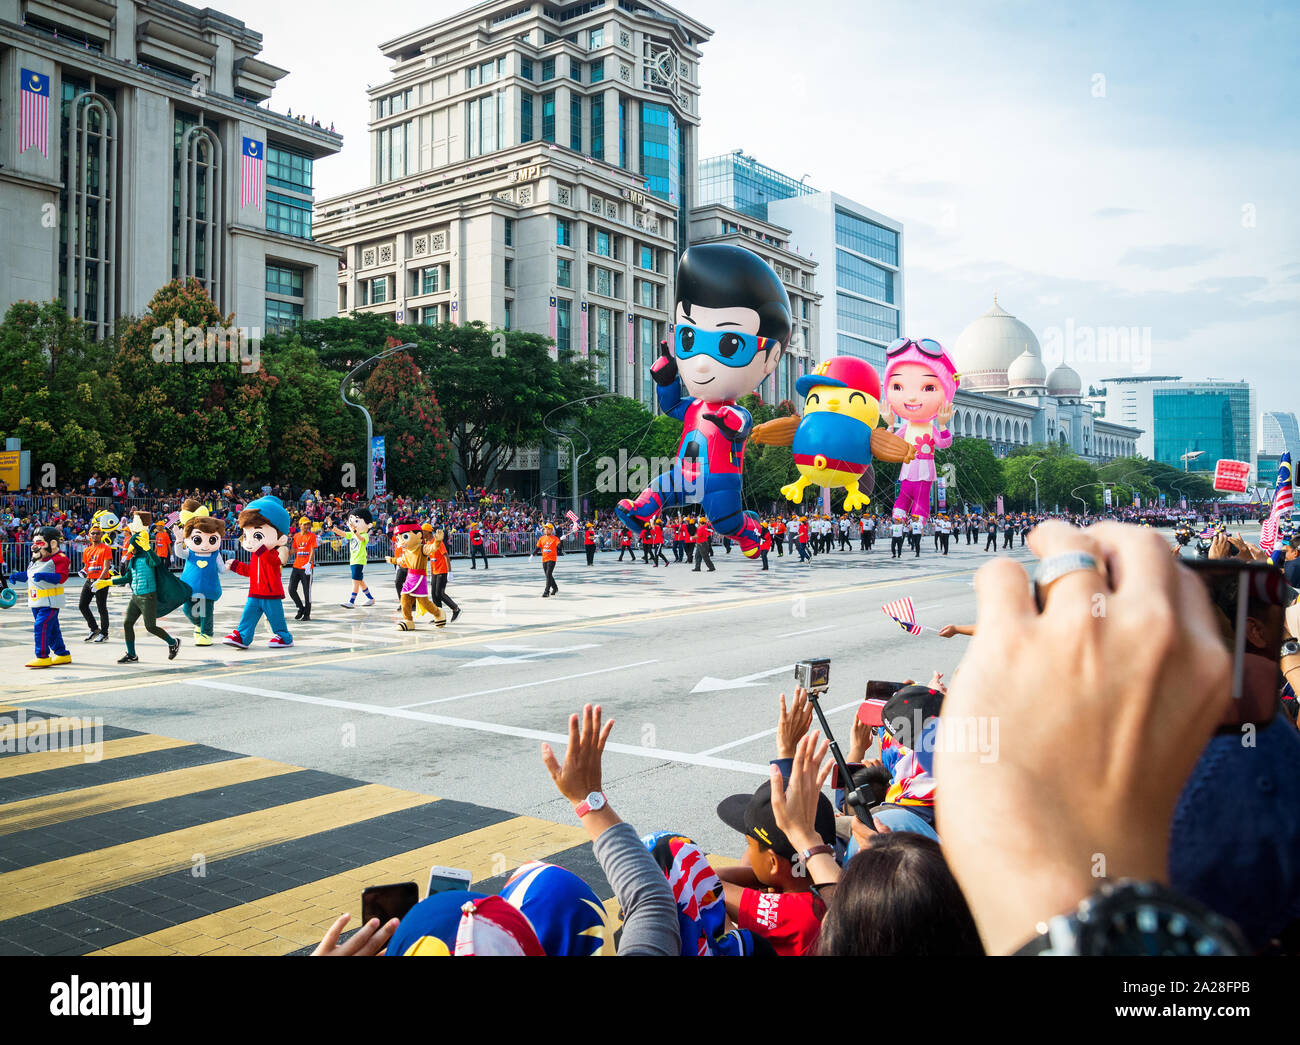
903 613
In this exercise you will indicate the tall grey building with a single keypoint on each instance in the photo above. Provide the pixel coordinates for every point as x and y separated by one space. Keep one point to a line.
143 153
531 168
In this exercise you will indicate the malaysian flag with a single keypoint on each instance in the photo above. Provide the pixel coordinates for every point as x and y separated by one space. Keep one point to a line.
252 175
34 113
553 350
903 613
1283 502
571 516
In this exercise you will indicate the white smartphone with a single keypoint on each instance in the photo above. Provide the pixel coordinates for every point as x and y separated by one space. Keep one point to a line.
448 880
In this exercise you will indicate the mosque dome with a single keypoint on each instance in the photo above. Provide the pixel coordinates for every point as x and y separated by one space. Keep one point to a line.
985 351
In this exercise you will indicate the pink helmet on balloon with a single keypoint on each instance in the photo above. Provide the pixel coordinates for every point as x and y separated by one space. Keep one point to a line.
925 352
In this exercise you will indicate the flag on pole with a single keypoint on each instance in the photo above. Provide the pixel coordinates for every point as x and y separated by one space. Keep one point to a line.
1283 502
34 113
903 613
630 338
252 175
582 345
553 349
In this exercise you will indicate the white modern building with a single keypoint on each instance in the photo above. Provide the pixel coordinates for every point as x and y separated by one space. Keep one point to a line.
1129 401
1279 433
531 168
134 176
715 223
1008 397
859 252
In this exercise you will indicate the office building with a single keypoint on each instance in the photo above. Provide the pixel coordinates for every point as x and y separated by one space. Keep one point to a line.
1008 397
715 223
136 173
1214 417
743 184
1128 401
860 257
529 171
1279 433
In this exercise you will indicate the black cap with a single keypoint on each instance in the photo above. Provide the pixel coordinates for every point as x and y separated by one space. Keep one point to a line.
910 707
752 816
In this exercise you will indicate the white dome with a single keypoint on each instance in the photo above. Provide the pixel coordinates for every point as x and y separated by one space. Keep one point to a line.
1064 381
1027 371
985 350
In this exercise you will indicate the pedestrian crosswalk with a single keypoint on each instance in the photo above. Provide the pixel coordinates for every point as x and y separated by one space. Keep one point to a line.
154 845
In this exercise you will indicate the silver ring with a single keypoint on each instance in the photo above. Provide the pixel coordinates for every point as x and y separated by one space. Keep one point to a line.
1054 567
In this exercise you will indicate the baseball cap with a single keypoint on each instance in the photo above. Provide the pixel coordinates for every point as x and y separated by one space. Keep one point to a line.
1235 842
909 707
752 816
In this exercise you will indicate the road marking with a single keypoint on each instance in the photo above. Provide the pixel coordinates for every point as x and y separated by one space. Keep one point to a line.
525 657
808 631
180 676
526 685
769 732
709 684
659 754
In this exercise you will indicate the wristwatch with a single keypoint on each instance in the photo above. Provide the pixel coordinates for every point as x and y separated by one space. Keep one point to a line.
1290 648
594 801
1137 918
816 850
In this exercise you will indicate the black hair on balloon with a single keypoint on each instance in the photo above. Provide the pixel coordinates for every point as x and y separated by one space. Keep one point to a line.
721 275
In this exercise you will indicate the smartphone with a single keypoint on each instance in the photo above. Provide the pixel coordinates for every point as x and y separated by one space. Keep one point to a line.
1249 601
882 691
388 901
448 880
872 712
837 781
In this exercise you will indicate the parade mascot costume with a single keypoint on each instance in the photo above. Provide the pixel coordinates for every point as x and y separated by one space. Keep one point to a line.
415 589
265 525
732 324
154 591
46 573
835 439
920 382
198 544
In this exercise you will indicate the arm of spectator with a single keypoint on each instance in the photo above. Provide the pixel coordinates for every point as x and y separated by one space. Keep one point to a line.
650 924
793 724
860 737
1149 681
795 806
949 630
369 940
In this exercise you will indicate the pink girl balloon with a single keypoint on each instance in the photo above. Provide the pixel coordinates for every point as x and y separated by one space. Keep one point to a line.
920 382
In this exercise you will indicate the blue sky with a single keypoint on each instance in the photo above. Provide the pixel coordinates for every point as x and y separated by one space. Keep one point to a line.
1098 164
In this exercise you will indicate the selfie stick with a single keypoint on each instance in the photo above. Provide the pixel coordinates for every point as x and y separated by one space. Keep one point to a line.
853 796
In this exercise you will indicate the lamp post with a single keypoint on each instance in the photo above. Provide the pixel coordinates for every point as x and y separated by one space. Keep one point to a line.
1035 481
370 429
1191 455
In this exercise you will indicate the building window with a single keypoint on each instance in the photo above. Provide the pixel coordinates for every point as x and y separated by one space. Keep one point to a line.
866 319
198 190
603 284
575 70
622 133
426 281
602 244
510 232
598 128
486 119
509 273
598 70
282 315
548 116
647 258
379 290
575 122
862 277
510 309
563 272
288 169
526 68
288 214
280 279
525 117
88 205
563 232
548 69
431 316
595 38
562 341
647 296
660 150
866 237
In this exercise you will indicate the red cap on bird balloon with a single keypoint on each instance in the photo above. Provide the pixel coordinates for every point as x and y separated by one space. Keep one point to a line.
843 372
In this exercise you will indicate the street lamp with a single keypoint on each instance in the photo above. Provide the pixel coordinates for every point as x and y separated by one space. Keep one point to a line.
370 429
1031 476
1191 455
574 456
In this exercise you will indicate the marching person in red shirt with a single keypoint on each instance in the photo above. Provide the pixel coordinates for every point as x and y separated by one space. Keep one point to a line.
550 546
803 539
703 545
588 543
476 547
764 543
778 537
657 543
625 545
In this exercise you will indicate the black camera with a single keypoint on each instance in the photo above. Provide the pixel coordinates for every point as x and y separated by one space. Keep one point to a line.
813 675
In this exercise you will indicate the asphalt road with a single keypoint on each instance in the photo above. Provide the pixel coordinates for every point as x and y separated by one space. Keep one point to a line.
689 665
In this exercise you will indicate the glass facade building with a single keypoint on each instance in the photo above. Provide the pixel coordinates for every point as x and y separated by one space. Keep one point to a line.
742 183
1212 417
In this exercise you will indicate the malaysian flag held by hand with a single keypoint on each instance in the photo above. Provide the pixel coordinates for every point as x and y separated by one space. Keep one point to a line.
903 613
1283 502
34 113
252 174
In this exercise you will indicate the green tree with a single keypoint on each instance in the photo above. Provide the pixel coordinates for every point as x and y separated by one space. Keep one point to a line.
58 395
977 472
405 410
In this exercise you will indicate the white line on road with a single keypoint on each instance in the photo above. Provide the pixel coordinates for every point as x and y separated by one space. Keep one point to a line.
808 631
768 732
526 685
659 754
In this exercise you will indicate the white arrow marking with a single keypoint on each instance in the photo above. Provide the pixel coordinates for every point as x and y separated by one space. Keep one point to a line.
709 684
525 657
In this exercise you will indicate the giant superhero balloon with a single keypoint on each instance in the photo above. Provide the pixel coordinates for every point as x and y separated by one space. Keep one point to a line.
835 439
920 382
732 324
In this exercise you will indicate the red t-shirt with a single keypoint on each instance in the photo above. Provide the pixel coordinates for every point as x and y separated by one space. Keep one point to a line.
790 922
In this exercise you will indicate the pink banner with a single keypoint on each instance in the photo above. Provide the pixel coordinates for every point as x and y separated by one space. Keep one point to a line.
554 351
631 326
584 330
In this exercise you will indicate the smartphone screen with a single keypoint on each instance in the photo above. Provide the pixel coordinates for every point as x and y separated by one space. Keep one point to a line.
448 880
882 691
1249 601
388 901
